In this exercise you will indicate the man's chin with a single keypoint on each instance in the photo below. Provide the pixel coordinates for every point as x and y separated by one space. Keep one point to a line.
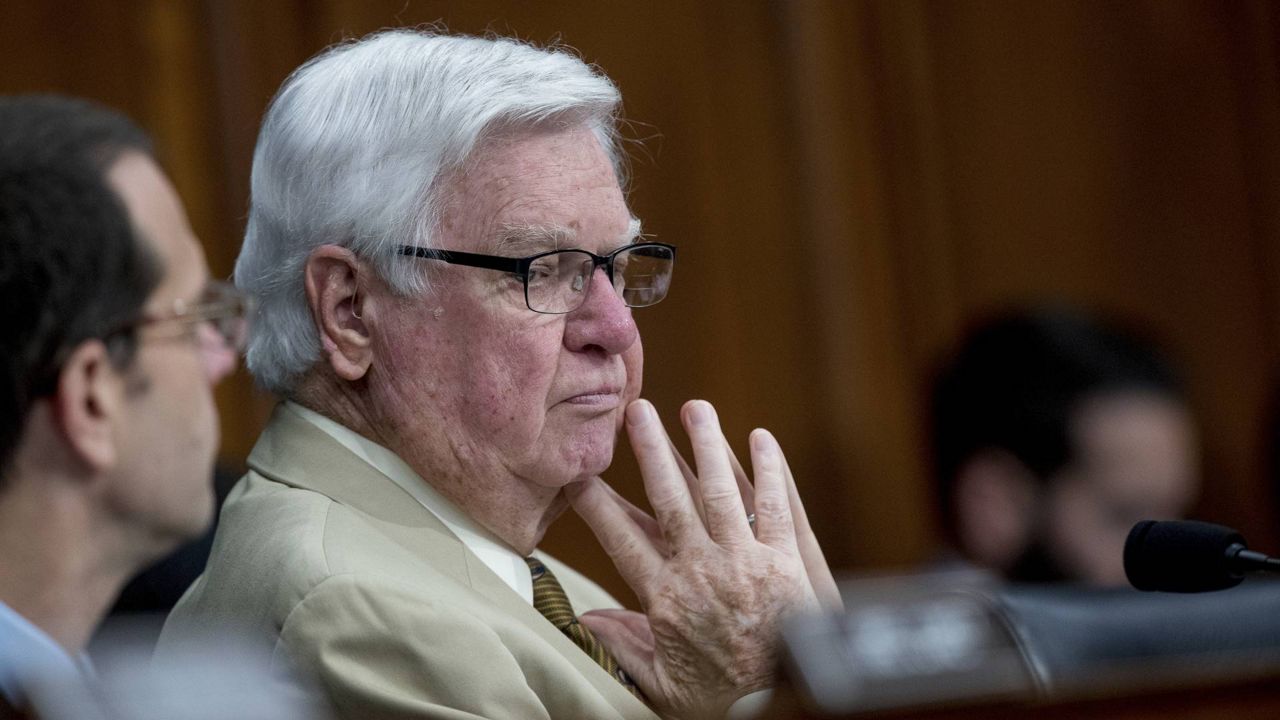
590 452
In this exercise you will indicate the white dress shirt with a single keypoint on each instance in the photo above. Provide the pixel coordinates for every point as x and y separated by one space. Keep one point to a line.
500 558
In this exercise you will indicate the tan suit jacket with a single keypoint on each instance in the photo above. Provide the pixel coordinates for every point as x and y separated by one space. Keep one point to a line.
352 580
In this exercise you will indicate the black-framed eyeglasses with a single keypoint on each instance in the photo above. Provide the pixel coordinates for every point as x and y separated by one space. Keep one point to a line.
222 306
557 282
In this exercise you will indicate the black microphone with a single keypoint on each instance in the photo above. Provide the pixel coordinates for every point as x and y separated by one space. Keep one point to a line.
1189 556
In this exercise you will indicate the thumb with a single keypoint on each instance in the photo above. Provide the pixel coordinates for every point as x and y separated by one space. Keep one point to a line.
633 622
627 636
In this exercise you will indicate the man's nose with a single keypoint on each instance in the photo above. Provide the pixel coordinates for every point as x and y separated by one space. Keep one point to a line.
602 321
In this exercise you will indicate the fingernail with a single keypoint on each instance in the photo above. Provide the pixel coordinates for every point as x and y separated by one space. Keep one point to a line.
639 413
701 413
763 442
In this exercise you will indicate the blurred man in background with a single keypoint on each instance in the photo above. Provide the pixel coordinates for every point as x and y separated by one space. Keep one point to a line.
113 340
1053 434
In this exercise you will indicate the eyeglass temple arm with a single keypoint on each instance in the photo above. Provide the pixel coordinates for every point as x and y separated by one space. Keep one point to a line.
454 257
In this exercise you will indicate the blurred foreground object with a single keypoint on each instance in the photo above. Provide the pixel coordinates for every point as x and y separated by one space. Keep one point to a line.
936 644
221 677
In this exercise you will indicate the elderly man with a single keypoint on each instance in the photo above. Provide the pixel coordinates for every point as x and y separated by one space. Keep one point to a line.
113 339
447 265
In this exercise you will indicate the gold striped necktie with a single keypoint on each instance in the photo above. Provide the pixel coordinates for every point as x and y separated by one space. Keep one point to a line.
550 600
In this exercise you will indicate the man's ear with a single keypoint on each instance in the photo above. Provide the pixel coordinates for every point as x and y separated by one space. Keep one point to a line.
332 277
995 507
88 404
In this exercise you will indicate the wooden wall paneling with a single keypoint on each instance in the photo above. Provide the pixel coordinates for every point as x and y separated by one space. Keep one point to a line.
757 345
1257 81
1009 96
252 46
1096 159
178 114
905 77
182 114
848 182
76 47
866 411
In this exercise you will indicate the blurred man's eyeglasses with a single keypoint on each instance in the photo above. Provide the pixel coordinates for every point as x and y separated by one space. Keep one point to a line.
557 282
221 307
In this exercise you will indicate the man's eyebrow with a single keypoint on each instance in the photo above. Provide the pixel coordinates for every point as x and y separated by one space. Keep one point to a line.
521 240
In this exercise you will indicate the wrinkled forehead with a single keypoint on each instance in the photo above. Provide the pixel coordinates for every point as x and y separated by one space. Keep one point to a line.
538 189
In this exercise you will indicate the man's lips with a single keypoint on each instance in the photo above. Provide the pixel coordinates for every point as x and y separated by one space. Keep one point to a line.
604 397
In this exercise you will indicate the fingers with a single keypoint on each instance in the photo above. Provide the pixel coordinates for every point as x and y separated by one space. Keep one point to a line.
664 483
726 519
815 564
774 523
625 541
744 482
690 479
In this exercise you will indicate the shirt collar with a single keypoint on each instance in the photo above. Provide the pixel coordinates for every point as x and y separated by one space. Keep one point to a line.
28 654
506 563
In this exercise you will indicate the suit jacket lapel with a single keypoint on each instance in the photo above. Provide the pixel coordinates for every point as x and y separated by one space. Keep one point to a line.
295 452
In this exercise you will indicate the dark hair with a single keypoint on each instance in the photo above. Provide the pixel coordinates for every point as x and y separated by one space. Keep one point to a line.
71 265
1016 382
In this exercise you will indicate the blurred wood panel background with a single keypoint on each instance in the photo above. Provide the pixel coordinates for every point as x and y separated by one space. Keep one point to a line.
850 184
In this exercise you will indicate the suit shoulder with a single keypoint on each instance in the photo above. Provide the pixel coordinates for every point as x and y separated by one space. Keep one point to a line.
268 553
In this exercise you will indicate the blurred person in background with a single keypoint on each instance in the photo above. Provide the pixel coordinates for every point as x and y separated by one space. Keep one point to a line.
1052 435
114 336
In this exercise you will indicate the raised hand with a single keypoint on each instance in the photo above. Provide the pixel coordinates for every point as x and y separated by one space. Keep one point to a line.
713 588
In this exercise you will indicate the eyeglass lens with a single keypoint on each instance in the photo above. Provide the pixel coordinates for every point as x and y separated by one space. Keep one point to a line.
558 281
226 311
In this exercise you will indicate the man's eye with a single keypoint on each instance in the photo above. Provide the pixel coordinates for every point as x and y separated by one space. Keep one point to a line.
541 272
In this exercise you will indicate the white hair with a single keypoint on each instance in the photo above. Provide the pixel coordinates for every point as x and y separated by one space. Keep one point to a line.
352 146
